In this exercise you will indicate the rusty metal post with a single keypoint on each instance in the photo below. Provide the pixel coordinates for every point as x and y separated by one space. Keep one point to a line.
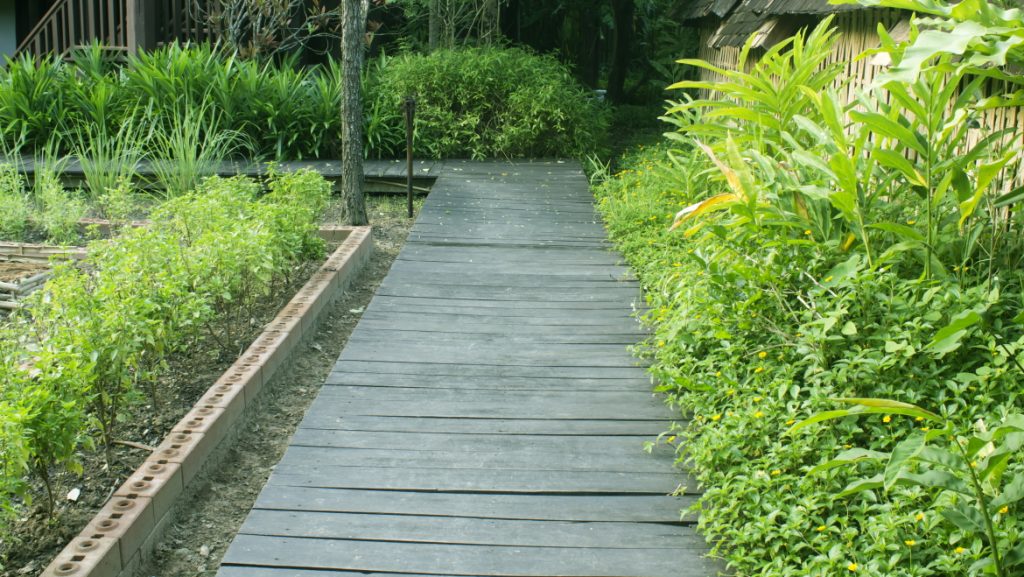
410 113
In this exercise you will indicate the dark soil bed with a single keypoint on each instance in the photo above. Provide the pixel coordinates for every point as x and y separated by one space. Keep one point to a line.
208 522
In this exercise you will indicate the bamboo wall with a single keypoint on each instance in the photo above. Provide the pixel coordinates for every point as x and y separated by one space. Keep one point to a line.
858 32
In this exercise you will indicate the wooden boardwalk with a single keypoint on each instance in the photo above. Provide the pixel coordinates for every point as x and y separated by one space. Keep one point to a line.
485 417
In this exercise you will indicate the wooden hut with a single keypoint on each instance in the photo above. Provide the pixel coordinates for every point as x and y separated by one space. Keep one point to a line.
725 26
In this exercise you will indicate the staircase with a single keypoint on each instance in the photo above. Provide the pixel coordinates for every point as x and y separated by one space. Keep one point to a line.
121 26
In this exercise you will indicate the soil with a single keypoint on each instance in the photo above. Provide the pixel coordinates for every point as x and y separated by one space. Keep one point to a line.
209 519
15 271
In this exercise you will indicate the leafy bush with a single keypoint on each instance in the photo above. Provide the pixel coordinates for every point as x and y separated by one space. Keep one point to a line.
96 335
488 102
15 208
815 251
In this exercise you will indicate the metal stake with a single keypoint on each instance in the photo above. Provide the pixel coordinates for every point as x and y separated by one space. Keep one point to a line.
410 113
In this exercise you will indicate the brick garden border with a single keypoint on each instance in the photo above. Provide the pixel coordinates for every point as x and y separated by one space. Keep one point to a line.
123 534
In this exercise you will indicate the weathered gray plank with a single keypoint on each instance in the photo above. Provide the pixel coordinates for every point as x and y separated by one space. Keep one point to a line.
322 453
459 559
471 531
639 384
611 508
454 369
295 473
328 418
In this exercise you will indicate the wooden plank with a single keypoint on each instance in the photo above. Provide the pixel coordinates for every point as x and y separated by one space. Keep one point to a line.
457 559
490 318
551 355
327 418
294 473
638 384
509 338
480 443
609 508
453 369
413 326
521 460
581 402
471 531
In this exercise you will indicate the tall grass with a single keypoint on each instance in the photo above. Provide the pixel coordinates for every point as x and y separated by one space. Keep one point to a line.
192 148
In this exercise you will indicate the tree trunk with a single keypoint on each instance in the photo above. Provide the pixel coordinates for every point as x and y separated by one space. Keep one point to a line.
490 28
353 48
434 24
623 11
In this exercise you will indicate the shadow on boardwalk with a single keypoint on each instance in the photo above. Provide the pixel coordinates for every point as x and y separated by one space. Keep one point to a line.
485 417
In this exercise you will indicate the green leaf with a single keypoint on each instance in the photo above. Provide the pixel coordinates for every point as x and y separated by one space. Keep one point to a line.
948 338
1014 557
901 230
1012 492
892 159
965 517
861 485
1012 197
906 450
934 479
896 407
849 329
848 457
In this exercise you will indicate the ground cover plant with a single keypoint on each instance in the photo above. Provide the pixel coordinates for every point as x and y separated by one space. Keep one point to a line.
86 350
835 298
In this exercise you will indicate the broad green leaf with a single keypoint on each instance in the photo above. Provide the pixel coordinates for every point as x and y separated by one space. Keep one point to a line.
861 485
896 161
948 338
885 126
895 406
986 174
848 457
934 479
906 450
901 230
1014 557
965 517
1010 198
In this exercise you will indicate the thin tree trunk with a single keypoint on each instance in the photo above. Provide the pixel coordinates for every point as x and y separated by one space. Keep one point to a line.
623 11
491 22
434 24
353 42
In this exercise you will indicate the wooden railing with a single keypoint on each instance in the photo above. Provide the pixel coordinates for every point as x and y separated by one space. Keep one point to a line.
73 23
121 25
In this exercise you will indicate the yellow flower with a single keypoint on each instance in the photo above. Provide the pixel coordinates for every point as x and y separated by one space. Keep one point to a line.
959 550
791 422
758 415
671 439
974 464
757 399
661 343
919 419
716 417
919 517
910 542
776 472
807 232
852 566
1004 510
911 222
887 419
730 392
762 354
758 370
821 528
718 373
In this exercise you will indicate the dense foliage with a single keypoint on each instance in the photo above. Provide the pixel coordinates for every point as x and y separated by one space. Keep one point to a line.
197 105
483 103
795 251
93 340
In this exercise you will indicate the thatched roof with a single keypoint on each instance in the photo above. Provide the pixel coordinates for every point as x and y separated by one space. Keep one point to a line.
769 19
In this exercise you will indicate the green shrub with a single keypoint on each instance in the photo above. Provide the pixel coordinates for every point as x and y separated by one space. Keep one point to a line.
488 102
790 264
15 207
96 335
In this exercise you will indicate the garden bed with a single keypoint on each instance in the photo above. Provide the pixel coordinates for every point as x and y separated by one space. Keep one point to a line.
25 267
129 524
